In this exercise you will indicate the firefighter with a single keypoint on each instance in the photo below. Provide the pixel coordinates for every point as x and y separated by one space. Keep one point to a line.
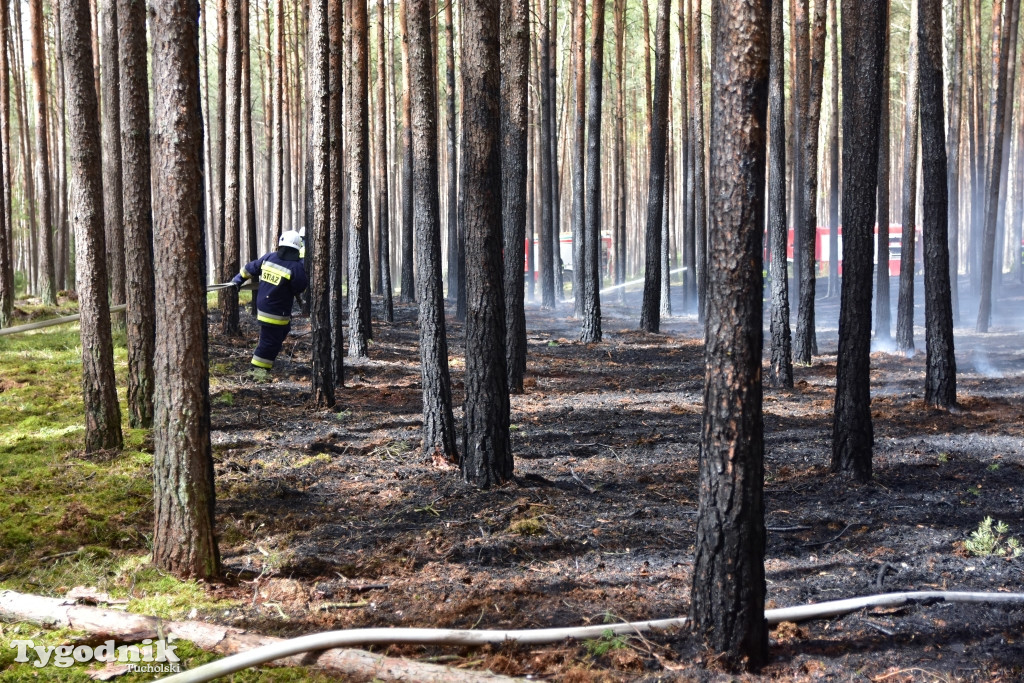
282 277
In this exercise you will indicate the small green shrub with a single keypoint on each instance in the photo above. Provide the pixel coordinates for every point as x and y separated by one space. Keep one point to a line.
605 644
990 539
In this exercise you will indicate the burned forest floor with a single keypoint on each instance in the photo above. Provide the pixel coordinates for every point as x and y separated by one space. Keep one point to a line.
332 519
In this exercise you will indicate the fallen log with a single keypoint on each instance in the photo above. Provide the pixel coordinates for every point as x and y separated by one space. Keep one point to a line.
125 627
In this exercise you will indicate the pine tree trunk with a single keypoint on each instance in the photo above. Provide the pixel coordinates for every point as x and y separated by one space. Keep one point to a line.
578 149
905 304
218 126
231 197
883 303
248 162
1004 173
863 26
805 343
102 412
686 181
547 257
834 178
650 319
619 150
335 164
438 422
997 112
138 220
515 57
383 193
47 279
317 98
553 169
408 278
728 593
277 210
590 273
940 368
696 63
183 541
780 369
452 159
487 454
359 199
6 224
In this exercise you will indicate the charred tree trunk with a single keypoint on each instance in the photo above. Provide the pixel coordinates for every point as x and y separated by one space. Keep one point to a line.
487 453
696 62
908 246
408 278
438 422
940 366
619 151
863 23
47 277
138 220
650 318
248 164
359 164
231 198
218 128
883 303
590 273
686 181
102 412
183 540
728 591
780 370
515 58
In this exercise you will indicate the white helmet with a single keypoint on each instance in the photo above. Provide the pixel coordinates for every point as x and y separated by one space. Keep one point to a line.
290 238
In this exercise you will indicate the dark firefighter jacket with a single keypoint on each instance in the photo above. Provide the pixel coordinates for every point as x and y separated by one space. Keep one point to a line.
280 281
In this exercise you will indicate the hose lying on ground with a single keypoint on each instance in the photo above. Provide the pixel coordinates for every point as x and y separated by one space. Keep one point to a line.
63 320
434 636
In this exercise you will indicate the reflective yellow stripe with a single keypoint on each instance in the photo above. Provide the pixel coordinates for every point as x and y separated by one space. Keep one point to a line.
272 319
262 363
244 273
277 270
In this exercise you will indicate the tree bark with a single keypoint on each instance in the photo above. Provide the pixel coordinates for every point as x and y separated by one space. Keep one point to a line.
487 453
863 26
454 262
515 57
47 278
908 246
408 279
780 369
619 151
383 194
590 273
686 180
834 178
6 227
1011 65
277 211
183 540
940 365
696 63
360 331
219 128
883 304
997 112
335 166
103 414
728 591
547 256
138 220
231 197
318 101
438 422
805 343
650 317
248 165
578 158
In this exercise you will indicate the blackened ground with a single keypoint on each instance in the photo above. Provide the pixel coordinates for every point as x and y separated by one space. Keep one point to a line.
332 519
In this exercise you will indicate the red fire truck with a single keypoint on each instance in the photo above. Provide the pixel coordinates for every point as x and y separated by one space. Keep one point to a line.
822 252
